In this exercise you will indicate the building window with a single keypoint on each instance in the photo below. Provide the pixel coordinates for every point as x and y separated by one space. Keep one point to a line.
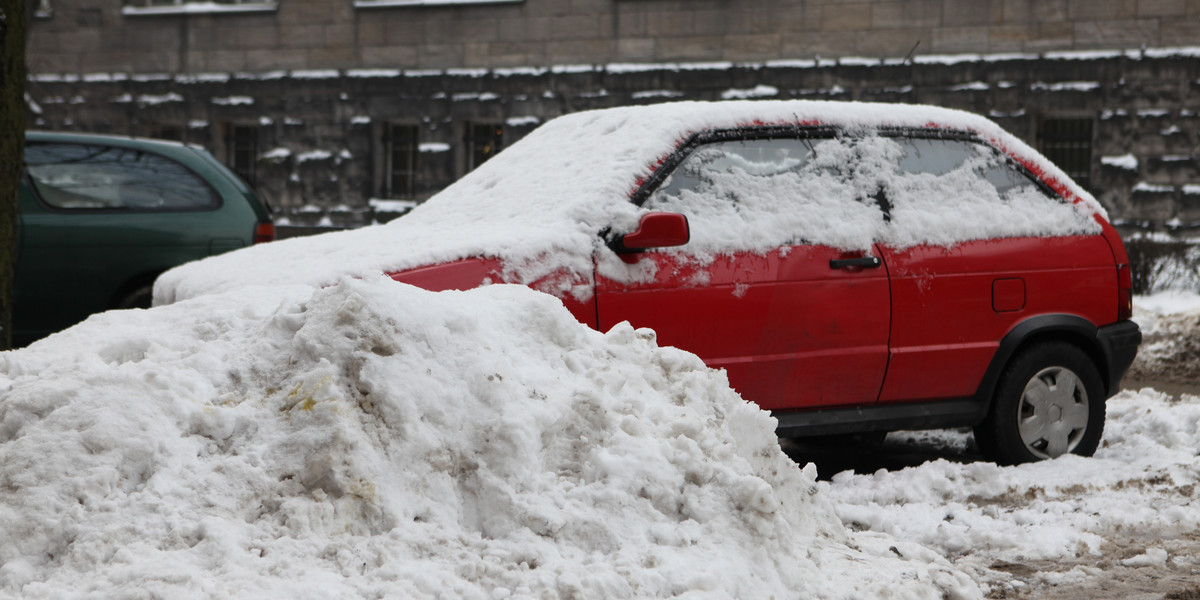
400 3
400 161
481 141
44 10
171 7
1068 144
241 150
167 132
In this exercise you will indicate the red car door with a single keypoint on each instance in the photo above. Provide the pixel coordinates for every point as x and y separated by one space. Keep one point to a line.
795 325
790 330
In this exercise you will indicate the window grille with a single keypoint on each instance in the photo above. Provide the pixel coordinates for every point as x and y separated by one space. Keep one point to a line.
400 161
241 151
1068 144
482 141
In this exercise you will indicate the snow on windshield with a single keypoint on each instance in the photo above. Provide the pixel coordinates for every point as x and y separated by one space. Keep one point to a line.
540 204
371 439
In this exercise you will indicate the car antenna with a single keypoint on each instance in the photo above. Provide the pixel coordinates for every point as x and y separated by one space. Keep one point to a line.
908 59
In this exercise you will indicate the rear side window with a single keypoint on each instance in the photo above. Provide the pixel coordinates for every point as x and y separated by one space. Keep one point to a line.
91 177
940 157
944 191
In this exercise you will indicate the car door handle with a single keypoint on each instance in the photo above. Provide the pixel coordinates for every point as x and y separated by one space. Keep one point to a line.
865 262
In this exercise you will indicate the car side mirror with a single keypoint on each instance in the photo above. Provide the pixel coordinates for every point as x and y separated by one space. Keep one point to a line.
655 230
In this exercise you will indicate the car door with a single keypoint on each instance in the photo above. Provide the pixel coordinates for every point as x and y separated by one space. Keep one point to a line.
795 323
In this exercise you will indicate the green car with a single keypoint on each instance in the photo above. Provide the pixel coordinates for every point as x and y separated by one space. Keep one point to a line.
102 216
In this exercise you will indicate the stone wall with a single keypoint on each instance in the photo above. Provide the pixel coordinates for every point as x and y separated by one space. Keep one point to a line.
317 81
80 36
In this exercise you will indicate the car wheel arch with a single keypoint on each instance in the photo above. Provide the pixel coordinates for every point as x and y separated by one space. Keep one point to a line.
126 296
1068 328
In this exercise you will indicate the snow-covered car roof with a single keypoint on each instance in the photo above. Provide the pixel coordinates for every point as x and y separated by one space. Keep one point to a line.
540 203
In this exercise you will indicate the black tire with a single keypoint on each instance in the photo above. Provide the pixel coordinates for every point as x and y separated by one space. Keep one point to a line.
1049 401
140 297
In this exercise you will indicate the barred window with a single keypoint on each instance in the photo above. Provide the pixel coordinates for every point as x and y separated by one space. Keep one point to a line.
167 7
241 151
481 141
401 151
1068 144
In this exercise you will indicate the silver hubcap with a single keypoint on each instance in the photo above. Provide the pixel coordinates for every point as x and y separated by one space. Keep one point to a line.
1053 414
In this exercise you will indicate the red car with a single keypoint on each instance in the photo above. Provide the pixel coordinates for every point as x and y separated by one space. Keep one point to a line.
852 267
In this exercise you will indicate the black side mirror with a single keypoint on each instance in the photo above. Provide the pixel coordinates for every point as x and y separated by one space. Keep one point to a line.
655 230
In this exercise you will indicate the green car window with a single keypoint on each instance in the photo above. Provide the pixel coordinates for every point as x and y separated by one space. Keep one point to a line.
89 177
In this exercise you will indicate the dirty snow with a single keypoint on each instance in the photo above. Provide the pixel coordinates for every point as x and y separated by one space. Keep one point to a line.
372 439
1133 504
1170 322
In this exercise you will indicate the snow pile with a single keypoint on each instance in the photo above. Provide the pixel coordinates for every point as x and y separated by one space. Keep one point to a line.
541 203
1138 491
371 439
1170 349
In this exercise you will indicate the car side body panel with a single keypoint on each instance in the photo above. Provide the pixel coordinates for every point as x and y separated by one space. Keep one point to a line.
953 305
471 273
789 329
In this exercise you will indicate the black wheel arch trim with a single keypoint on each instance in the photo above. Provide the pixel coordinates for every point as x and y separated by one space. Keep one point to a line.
1112 347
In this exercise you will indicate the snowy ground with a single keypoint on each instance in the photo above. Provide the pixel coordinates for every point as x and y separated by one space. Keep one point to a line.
1124 524
375 440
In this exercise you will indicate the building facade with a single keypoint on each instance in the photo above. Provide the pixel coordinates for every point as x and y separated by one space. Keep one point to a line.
348 111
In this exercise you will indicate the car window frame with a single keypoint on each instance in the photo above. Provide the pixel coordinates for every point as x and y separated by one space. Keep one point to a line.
668 165
36 192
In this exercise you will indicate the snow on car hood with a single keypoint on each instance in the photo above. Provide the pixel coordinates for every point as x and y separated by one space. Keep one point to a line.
372 439
540 204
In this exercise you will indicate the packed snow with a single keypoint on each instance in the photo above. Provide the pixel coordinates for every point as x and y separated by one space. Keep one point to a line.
371 439
375 439
540 205
297 424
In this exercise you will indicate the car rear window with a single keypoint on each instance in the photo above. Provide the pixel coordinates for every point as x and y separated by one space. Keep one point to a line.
96 177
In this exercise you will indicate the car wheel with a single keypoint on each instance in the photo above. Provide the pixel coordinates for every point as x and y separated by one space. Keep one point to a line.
1049 402
140 297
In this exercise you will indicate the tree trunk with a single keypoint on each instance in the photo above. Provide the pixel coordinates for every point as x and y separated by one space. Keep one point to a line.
12 149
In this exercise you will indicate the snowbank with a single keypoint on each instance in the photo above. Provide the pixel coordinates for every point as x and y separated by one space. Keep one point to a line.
1137 492
540 204
371 439
1170 351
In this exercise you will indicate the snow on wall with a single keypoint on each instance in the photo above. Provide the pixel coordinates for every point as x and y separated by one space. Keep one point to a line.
540 203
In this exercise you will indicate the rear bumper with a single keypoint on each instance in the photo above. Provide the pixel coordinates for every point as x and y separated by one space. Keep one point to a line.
1119 342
